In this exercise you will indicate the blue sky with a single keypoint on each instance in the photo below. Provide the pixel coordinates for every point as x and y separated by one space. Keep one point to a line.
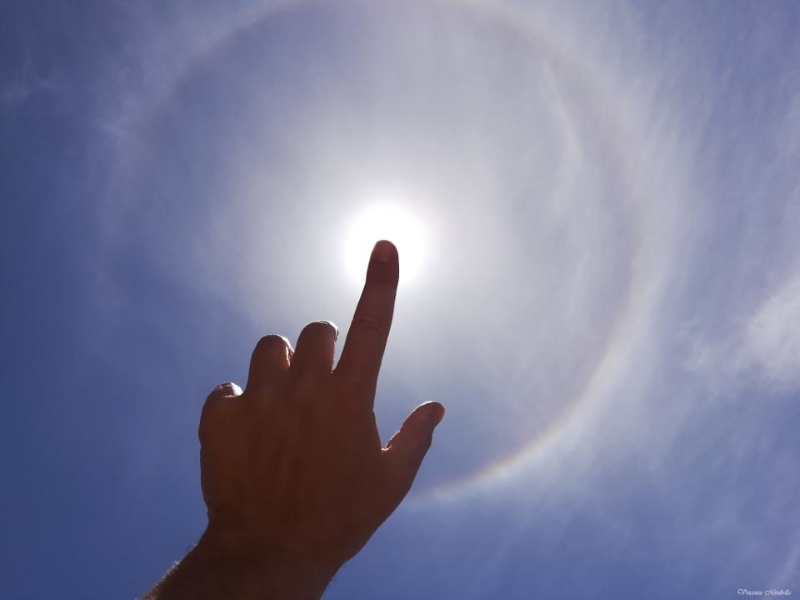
604 199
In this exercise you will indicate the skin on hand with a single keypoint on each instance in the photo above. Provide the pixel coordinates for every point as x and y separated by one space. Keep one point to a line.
293 465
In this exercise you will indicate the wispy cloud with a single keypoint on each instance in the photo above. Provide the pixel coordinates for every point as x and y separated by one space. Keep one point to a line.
771 341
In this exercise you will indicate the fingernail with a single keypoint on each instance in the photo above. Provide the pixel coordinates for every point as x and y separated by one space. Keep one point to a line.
384 251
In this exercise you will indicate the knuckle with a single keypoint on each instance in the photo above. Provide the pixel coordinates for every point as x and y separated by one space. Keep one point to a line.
369 323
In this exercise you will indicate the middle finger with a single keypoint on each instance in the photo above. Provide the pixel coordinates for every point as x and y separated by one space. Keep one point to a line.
314 353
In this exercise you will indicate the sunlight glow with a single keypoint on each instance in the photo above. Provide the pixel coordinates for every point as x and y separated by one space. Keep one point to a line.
385 220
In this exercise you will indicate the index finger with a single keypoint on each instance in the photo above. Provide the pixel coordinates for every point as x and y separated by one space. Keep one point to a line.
363 349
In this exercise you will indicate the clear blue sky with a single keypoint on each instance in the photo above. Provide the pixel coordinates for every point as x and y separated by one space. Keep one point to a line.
606 290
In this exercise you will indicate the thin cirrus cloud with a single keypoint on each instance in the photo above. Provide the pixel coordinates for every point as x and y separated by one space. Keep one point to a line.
771 339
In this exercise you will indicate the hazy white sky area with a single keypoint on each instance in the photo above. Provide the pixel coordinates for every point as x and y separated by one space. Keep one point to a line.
599 203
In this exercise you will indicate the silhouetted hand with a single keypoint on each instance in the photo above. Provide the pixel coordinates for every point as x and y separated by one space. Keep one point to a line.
294 474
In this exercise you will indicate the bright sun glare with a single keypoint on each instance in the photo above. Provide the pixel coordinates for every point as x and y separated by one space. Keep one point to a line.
384 221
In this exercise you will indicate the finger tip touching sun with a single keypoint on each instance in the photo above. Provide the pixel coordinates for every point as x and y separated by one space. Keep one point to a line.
384 229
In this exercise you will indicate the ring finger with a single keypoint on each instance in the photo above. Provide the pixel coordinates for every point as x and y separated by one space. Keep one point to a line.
270 361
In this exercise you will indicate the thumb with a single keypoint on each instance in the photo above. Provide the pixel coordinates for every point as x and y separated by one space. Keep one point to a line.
405 451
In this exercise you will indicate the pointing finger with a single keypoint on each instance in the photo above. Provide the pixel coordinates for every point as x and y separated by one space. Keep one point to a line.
366 339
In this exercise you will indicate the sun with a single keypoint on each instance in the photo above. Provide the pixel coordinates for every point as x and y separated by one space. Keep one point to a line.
384 220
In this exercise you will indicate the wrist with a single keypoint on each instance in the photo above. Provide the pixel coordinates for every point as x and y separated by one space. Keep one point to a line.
279 572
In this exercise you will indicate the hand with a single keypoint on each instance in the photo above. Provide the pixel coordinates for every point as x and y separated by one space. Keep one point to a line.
294 465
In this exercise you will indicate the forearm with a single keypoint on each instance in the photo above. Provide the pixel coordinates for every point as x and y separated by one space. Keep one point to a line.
213 570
